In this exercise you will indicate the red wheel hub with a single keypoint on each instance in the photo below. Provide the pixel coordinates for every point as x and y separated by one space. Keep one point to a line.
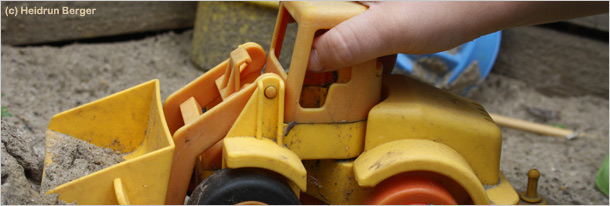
408 189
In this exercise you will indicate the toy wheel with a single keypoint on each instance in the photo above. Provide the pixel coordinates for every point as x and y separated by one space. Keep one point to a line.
243 186
408 189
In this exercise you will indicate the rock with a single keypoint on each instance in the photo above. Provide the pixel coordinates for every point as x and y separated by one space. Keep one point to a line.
108 19
20 147
16 190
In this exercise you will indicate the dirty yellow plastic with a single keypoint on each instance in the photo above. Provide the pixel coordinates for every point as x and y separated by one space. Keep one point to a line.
240 152
194 138
204 88
326 141
341 102
230 82
502 193
255 140
263 116
404 126
121 194
128 121
333 182
392 158
190 110
531 196
414 110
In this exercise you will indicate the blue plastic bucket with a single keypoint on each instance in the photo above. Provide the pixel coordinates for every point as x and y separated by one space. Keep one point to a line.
484 50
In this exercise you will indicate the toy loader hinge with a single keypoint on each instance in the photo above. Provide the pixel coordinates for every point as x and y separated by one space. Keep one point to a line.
223 91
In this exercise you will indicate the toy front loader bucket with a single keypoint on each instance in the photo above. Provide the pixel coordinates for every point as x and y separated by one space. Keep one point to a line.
130 122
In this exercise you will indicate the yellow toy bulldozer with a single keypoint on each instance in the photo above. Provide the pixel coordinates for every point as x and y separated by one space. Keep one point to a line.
252 131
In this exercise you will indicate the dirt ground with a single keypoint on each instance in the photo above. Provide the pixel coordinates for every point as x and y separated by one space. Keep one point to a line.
40 81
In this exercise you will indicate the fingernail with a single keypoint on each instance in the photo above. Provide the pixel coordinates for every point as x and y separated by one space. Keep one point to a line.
314 64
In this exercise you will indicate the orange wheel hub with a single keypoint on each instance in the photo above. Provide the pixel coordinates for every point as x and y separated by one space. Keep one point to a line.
408 189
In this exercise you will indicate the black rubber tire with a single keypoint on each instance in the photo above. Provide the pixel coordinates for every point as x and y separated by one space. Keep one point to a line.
232 186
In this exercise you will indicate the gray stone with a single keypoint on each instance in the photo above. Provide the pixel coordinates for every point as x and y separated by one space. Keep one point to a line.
16 189
553 62
109 18
19 146
598 22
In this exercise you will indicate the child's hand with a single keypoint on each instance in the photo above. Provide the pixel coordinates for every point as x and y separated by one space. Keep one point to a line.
428 27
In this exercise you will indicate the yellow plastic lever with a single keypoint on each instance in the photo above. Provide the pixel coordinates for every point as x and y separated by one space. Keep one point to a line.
119 190
190 110
230 84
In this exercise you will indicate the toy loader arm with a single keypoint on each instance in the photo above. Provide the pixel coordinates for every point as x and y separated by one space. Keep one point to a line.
194 132
205 89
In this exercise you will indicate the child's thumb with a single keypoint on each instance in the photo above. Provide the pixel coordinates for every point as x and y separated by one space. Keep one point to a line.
354 41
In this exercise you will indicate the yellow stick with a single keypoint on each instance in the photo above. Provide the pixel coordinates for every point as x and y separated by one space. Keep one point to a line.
532 127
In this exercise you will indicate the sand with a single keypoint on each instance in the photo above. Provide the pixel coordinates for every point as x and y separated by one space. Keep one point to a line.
435 72
74 158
